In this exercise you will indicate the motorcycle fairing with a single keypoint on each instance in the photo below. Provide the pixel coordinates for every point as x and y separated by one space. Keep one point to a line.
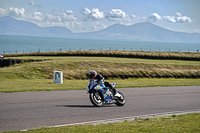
105 92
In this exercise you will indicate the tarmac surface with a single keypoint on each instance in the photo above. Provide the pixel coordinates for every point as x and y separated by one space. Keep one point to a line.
29 110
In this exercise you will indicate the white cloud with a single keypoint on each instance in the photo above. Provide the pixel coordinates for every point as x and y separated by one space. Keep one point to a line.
49 17
18 11
169 19
93 14
133 16
154 17
68 12
14 12
3 11
176 18
52 18
177 14
37 16
115 15
183 19
66 17
96 14
86 11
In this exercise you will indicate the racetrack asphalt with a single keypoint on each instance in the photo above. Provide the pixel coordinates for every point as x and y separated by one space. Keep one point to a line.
28 110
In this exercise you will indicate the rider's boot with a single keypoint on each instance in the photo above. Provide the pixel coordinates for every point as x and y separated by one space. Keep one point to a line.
111 88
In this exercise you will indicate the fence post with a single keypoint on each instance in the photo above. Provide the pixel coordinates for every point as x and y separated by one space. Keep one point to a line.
197 51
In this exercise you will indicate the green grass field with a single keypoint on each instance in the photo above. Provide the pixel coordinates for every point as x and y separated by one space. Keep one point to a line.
38 76
78 67
188 123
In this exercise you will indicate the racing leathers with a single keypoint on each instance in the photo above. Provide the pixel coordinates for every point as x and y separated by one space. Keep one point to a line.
98 79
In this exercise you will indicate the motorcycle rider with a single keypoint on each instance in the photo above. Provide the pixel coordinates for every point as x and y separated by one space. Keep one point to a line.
98 78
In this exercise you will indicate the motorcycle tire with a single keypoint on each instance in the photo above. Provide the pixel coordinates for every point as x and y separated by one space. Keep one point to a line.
96 99
120 101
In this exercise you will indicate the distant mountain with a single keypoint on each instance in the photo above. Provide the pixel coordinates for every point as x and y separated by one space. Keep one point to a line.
11 26
138 32
143 32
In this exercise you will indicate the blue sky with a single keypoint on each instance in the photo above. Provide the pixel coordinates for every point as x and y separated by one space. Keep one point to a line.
94 15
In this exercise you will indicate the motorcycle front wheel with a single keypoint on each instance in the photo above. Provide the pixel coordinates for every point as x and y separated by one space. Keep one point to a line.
96 99
120 101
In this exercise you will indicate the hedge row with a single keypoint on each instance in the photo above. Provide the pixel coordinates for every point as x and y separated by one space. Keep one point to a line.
123 54
140 75
191 76
152 76
9 62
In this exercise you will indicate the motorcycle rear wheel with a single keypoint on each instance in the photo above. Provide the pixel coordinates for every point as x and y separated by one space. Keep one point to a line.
96 99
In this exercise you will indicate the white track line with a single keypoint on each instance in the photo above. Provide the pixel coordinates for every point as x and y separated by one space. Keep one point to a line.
130 118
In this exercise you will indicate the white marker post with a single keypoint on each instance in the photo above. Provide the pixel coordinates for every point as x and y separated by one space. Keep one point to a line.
58 77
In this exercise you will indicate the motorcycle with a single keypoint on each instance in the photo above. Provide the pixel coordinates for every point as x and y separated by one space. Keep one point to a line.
100 95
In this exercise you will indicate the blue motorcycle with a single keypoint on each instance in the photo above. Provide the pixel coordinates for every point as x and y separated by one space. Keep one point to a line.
100 95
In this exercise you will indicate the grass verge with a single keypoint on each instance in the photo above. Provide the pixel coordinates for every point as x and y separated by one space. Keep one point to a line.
109 67
174 123
21 85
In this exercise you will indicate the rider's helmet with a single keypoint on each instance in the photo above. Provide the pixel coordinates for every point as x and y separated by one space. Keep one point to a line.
92 74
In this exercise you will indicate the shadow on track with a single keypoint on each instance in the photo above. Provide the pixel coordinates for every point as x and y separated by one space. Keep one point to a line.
76 106
81 106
